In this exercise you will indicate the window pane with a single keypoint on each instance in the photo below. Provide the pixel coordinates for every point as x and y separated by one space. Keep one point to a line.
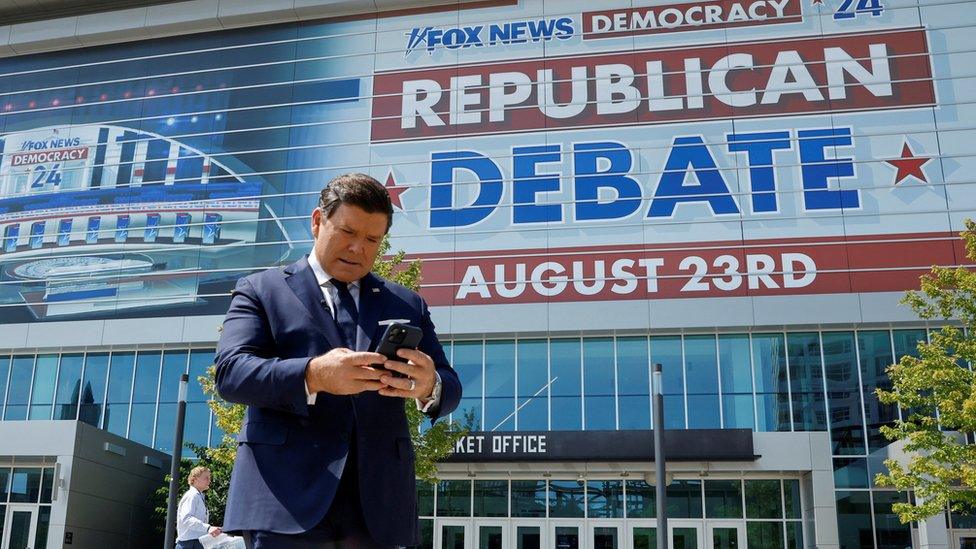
25 485
500 385
854 519
533 375
598 383
93 388
723 499
633 383
144 392
426 534
47 484
69 387
906 342
528 498
604 499
876 356
4 375
567 402
764 535
42 395
216 433
454 498
4 483
763 499
174 366
641 500
735 368
684 499
200 361
701 369
425 498
850 473
794 535
566 499
843 394
468 359
491 498
791 495
197 422
666 351
21 373
119 392
772 388
43 525
806 382
891 533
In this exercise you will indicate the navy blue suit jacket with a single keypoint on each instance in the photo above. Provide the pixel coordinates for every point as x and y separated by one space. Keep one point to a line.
290 455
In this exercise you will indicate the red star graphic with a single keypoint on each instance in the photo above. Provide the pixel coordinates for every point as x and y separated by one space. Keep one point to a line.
817 3
909 165
395 191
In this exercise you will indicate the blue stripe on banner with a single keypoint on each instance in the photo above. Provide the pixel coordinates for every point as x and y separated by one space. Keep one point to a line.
82 294
339 91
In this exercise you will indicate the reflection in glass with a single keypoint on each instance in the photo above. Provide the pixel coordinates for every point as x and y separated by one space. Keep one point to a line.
47 484
491 498
69 387
20 523
533 394
875 356
684 538
21 373
806 382
528 498
604 499
4 375
144 391
565 365
599 381
567 537
765 535
42 393
701 372
93 388
454 498
725 538
633 383
119 392
791 495
605 537
490 537
641 500
426 534
452 537
771 380
667 352
735 367
566 499
468 362
684 499
794 535
891 533
843 393
25 485
500 385
645 538
723 499
854 518
850 473
43 525
763 499
528 537
4 484
425 498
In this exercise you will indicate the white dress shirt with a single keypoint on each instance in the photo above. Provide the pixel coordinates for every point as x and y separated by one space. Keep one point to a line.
331 295
192 518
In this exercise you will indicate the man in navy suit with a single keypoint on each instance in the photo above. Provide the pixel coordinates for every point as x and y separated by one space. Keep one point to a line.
324 456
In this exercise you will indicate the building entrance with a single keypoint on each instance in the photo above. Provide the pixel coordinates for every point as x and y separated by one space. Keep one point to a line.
20 527
963 539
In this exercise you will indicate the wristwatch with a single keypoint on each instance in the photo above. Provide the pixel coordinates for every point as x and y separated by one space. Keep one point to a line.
435 395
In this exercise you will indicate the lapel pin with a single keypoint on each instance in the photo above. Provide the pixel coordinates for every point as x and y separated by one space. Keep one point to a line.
376 290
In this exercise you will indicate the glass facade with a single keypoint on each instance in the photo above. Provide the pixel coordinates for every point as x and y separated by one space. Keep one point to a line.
25 491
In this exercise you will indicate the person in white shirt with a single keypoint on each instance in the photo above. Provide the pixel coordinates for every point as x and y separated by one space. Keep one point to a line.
192 518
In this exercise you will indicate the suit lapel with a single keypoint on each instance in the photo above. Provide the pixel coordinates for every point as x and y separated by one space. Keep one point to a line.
371 304
301 280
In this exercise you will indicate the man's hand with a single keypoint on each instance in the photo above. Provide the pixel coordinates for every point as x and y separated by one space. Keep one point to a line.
215 531
419 368
344 372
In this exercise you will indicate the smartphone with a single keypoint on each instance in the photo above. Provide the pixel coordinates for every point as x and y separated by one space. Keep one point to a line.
398 336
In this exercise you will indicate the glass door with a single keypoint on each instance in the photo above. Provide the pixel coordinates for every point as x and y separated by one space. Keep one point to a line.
19 527
605 534
963 539
642 534
726 534
452 534
528 534
685 534
491 534
566 534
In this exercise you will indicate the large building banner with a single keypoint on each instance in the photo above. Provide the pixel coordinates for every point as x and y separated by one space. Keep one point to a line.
537 153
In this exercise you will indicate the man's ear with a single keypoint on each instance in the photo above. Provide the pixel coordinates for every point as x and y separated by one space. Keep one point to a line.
316 222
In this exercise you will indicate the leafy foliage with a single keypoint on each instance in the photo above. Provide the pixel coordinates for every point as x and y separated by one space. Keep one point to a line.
937 393
430 445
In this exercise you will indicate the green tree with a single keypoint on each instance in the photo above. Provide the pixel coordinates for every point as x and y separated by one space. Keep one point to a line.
937 393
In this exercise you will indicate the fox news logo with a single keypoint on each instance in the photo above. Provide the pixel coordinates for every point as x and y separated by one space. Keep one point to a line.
516 32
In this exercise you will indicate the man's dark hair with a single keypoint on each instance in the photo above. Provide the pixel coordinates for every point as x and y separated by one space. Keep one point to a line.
356 189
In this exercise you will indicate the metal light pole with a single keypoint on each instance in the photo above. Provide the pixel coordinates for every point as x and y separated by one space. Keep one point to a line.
658 398
174 468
